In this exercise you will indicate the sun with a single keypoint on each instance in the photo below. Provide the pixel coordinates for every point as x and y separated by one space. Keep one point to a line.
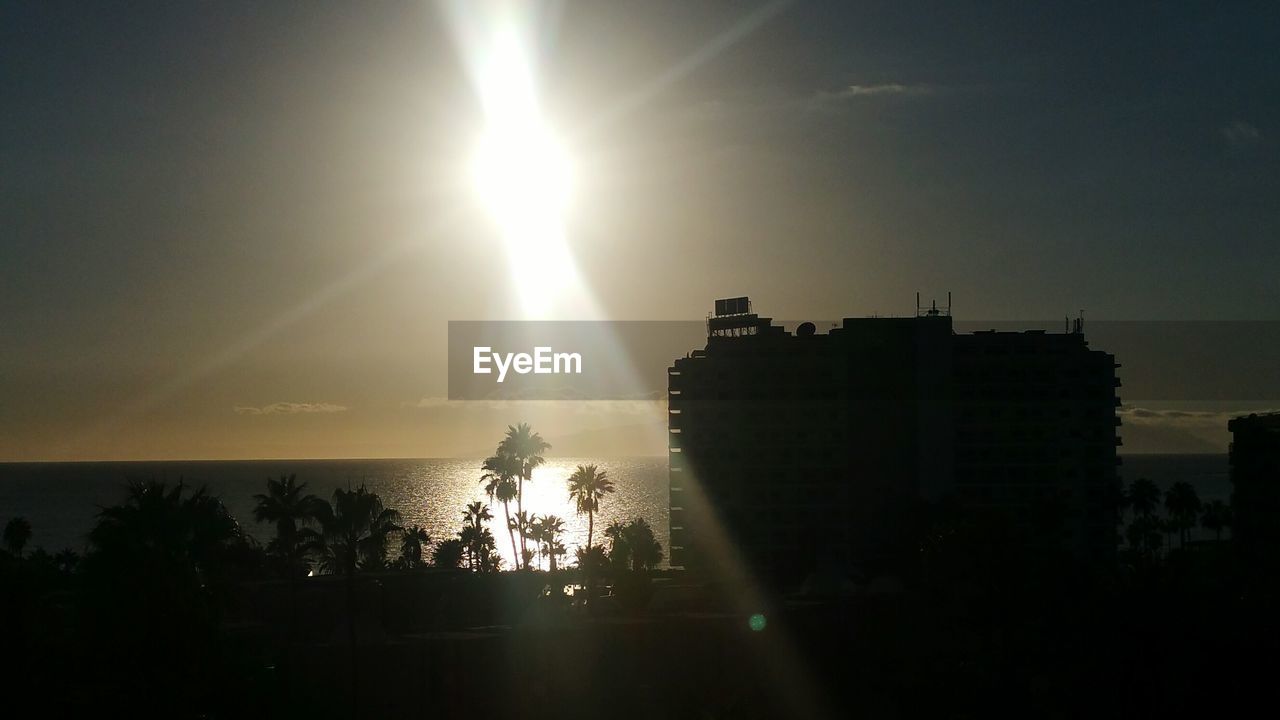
522 174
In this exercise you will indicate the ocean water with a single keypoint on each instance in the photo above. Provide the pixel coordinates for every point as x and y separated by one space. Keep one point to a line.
61 499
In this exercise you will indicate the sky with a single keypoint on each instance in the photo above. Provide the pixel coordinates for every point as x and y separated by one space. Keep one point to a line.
239 230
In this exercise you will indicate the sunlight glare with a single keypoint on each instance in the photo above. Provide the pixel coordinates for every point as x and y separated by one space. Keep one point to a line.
522 174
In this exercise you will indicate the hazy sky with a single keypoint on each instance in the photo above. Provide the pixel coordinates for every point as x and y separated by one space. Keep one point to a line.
239 229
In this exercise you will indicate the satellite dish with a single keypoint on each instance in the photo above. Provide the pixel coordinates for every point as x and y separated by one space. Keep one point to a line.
806 329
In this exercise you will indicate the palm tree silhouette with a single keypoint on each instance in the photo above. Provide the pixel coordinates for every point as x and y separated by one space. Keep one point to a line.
473 532
634 546
1145 535
549 529
155 520
157 568
587 487
287 505
536 534
17 532
354 531
412 540
1183 505
67 560
1216 516
448 554
1144 496
526 447
500 474
523 523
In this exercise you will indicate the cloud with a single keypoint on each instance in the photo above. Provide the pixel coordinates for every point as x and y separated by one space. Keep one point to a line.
431 402
1239 134
1184 418
289 408
874 90
1179 430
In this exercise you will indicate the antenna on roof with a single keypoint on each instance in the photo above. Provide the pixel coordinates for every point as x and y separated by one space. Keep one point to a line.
933 310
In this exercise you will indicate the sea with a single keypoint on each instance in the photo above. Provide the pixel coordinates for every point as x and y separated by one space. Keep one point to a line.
61 500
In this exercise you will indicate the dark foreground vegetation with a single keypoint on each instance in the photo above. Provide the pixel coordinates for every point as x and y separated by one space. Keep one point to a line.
174 612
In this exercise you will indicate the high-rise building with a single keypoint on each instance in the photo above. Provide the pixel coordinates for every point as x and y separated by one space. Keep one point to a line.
1255 495
797 449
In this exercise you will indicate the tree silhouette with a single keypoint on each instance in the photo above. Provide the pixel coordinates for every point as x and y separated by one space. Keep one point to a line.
17 532
536 534
1119 498
475 537
633 545
587 487
354 531
550 528
1144 497
287 505
159 524
157 572
448 554
500 475
412 540
1183 505
591 560
523 524
1215 516
526 447
67 560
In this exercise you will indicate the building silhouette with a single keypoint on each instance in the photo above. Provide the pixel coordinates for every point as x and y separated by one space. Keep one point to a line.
805 450
1255 494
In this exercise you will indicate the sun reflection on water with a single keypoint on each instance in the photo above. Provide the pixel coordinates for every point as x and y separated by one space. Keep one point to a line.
433 493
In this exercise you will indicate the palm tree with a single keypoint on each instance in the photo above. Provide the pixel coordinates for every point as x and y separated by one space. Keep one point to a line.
487 556
156 568
448 554
412 540
1216 516
1145 536
1119 497
526 447
473 532
500 473
523 523
536 534
155 520
587 487
1183 505
354 531
17 532
287 505
1144 496
549 530
67 560
634 546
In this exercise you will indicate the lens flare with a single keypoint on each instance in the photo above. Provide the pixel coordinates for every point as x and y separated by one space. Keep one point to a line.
520 167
